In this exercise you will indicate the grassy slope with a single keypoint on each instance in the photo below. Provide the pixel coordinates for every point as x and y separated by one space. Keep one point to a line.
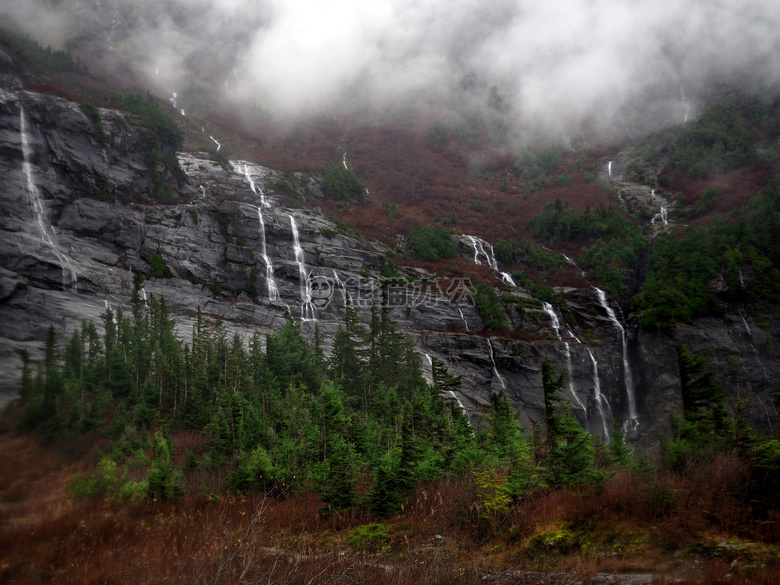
691 526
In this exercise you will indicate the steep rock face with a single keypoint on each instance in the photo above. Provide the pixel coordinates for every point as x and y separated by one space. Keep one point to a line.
86 215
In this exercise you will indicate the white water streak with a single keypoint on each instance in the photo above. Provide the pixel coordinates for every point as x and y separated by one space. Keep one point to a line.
686 104
632 415
597 397
273 291
495 369
307 308
466 323
35 200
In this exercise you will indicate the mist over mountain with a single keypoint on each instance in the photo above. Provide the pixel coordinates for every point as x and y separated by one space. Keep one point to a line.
625 67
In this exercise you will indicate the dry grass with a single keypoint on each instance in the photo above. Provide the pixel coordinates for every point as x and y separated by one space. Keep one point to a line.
674 527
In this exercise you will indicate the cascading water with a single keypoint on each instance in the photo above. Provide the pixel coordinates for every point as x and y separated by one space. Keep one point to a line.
344 161
495 369
273 291
556 324
113 27
214 140
340 284
485 249
307 308
553 318
597 397
633 422
465 323
686 104
663 210
480 248
609 169
69 277
567 140
573 263
567 353
254 187
428 371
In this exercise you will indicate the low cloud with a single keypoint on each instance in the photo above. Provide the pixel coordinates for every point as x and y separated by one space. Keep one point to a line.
618 63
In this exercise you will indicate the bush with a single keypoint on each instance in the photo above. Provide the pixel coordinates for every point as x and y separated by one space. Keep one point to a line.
368 538
341 184
718 141
100 483
486 301
149 114
94 116
159 269
431 243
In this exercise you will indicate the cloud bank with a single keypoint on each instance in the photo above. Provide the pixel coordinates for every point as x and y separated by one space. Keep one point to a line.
555 63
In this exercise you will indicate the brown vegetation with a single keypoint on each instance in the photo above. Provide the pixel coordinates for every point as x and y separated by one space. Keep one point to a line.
695 527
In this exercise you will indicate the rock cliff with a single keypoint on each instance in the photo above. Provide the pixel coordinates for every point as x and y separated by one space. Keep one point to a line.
77 219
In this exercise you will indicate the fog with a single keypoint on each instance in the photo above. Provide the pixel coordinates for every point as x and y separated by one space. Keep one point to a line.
556 65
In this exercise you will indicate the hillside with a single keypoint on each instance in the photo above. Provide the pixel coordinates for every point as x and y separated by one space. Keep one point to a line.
382 345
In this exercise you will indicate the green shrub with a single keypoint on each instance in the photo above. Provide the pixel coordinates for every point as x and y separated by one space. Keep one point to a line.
151 115
431 243
368 538
101 483
341 184
706 202
159 269
718 141
486 301
94 116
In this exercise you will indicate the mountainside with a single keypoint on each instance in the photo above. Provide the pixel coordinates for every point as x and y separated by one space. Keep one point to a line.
91 196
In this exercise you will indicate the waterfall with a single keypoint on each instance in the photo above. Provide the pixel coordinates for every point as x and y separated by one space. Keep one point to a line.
344 292
36 202
143 294
307 309
609 169
567 140
344 160
466 323
573 263
554 318
428 371
686 104
113 27
485 249
567 352
556 324
273 292
632 423
495 369
597 397
480 248
214 140
663 210
254 187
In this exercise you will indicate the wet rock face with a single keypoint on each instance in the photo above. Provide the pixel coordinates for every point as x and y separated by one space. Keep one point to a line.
206 252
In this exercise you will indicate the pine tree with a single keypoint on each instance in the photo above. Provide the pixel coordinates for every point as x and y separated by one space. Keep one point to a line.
570 447
348 359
